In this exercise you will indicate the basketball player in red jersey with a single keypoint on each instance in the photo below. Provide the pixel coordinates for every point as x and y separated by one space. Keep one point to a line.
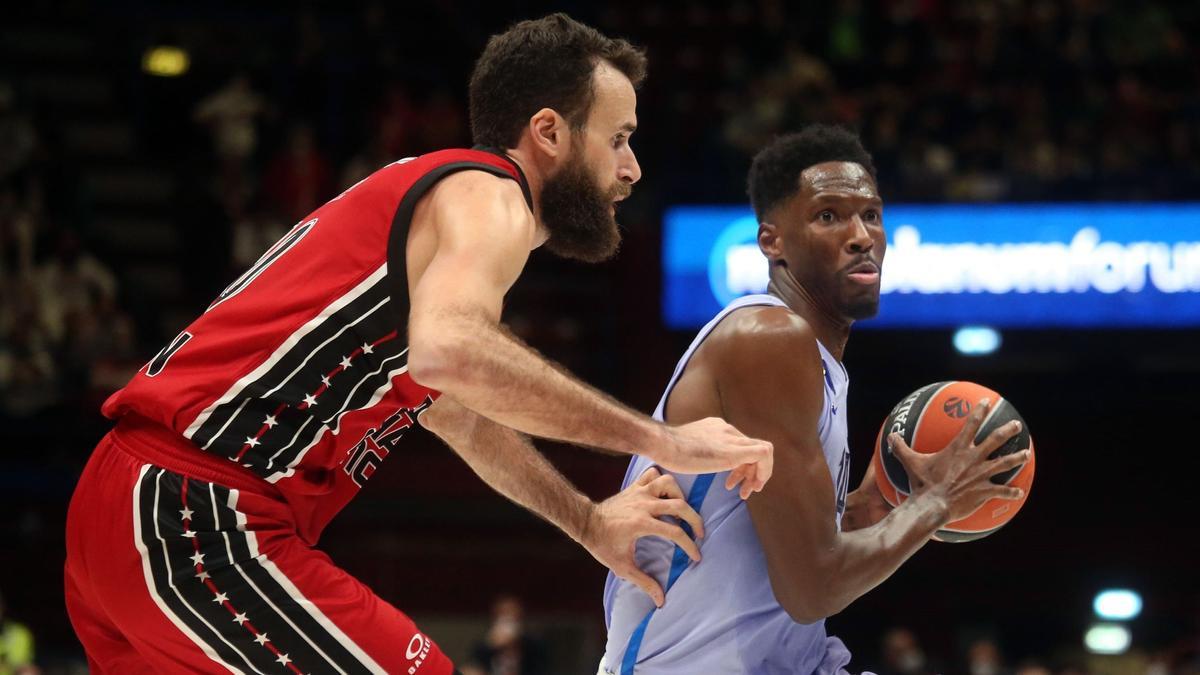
190 534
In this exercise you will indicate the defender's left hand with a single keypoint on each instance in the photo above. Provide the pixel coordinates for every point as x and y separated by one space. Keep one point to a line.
615 525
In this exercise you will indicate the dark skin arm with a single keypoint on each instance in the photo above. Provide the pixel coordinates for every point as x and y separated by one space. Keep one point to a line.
761 369
866 505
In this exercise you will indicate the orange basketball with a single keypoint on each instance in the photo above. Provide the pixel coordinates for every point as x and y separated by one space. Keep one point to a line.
928 419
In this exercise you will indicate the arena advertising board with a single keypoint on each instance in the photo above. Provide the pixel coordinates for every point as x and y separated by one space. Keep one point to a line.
1060 265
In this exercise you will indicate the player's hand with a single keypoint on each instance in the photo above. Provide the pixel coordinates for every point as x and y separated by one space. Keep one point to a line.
961 472
711 445
616 524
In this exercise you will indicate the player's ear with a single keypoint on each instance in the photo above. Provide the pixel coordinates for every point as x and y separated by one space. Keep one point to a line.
550 133
769 241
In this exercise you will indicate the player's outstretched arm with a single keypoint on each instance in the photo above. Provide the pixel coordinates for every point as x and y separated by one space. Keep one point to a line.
509 463
484 234
771 385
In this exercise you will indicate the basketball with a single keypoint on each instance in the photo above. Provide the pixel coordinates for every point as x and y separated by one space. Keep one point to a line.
928 419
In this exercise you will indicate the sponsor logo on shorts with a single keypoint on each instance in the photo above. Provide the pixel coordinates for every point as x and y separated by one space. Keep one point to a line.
417 651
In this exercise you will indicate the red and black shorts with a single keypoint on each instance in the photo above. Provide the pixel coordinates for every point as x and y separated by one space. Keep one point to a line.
198 569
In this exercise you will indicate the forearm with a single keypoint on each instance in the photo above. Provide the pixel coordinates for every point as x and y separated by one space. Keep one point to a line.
511 465
867 556
863 509
493 373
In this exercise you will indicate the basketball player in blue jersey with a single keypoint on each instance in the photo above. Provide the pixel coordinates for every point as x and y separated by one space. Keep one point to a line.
803 549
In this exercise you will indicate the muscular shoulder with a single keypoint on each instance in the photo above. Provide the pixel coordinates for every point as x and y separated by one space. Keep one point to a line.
767 353
471 199
476 187
752 333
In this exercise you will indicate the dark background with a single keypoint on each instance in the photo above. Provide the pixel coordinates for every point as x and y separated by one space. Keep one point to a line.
120 218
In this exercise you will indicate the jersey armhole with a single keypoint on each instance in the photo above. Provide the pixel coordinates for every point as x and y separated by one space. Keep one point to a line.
695 347
397 247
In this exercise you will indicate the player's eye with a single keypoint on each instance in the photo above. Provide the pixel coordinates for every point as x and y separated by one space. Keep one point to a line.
619 140
871 216
826 216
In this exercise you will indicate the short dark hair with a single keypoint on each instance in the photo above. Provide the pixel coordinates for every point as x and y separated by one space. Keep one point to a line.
542 63
775 172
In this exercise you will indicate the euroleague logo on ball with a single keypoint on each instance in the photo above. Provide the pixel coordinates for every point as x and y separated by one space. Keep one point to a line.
956 407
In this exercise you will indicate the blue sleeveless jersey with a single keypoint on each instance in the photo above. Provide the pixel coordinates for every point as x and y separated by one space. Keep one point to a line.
721 616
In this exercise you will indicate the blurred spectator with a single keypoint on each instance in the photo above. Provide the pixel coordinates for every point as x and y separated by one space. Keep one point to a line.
298 179
442 123
368 160
507 649
28 366
100 350
255 229
902 655
1032 668
232 113
16 646
71 282
983 658
17 135
396 122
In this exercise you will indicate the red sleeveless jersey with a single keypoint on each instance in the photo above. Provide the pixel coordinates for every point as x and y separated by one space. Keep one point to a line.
298 370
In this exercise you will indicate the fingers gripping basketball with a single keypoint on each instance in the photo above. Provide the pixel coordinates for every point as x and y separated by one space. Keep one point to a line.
928 419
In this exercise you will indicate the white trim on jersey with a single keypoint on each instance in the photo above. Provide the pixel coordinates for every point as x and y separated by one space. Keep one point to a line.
301 601
227 423
290 443
321 346
291 467
283 349
375 398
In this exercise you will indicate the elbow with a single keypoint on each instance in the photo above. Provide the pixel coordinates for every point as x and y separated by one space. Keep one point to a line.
435 363
808 601
802 609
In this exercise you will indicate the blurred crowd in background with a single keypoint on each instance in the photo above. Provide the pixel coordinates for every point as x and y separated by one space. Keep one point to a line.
128 200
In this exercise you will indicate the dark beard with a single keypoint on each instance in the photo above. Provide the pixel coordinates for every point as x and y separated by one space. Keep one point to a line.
576 213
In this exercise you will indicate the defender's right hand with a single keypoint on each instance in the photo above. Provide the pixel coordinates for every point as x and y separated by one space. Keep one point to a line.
711 445
961 472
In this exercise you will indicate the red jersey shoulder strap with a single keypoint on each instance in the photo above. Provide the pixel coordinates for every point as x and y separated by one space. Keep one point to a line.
436 166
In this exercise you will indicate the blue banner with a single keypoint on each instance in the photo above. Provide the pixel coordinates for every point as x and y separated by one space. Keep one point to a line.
1005 265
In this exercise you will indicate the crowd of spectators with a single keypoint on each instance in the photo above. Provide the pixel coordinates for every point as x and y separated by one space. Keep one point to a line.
64 339
989 100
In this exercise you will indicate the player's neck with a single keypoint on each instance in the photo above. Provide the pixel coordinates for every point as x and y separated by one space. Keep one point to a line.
831 329
533 177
